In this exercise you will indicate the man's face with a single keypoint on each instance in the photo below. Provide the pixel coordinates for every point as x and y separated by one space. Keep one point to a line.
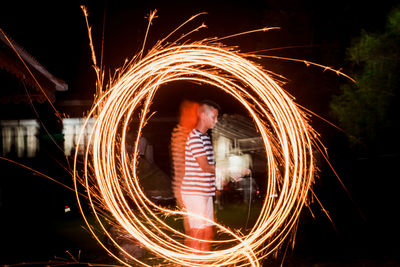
211 117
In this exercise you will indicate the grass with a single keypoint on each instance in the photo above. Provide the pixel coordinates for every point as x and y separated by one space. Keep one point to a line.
74 232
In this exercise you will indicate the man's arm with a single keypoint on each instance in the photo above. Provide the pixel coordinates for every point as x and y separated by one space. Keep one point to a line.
204 165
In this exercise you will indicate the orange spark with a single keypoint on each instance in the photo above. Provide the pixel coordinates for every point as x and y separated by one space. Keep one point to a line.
111 178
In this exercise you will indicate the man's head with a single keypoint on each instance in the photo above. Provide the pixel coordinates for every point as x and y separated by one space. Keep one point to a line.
208 114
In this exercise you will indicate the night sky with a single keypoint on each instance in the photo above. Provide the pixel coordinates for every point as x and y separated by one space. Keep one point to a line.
55 33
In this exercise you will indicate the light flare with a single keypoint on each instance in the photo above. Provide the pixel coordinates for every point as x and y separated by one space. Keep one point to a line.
111 176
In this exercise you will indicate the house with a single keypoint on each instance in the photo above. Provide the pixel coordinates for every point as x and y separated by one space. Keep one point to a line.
24 84
238 146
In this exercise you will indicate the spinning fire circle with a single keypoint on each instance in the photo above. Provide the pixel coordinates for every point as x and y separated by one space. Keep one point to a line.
112 183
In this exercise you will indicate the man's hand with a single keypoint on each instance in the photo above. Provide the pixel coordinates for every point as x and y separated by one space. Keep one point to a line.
246 172
238 176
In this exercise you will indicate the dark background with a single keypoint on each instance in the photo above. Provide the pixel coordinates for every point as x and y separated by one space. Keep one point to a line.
365 226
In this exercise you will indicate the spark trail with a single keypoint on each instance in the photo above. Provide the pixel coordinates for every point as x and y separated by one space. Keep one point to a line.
110 175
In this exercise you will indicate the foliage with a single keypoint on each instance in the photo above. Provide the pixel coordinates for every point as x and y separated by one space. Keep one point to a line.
366 110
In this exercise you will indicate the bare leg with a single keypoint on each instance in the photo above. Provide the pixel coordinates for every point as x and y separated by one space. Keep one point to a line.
196 233
208 235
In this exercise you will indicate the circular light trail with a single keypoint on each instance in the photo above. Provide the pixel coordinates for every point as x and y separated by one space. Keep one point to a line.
112 183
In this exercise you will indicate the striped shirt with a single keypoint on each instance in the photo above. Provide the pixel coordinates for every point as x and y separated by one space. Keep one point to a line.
195 180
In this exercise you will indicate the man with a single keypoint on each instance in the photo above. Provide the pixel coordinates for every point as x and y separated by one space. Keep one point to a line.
187 122
198 184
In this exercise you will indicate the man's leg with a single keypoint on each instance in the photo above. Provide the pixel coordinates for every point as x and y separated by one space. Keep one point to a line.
193 225
197 234
208 232
208 236
200 230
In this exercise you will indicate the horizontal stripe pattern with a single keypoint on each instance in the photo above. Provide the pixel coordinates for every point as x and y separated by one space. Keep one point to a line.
195 180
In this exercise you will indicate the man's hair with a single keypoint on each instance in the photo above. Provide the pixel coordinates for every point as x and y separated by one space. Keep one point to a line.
210 103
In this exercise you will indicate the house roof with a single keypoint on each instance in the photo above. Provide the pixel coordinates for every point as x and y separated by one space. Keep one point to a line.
11 54
238 128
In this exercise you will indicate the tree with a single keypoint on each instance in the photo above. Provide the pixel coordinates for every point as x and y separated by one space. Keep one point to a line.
367 110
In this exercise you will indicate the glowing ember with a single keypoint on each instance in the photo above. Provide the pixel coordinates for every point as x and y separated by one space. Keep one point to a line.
112 183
